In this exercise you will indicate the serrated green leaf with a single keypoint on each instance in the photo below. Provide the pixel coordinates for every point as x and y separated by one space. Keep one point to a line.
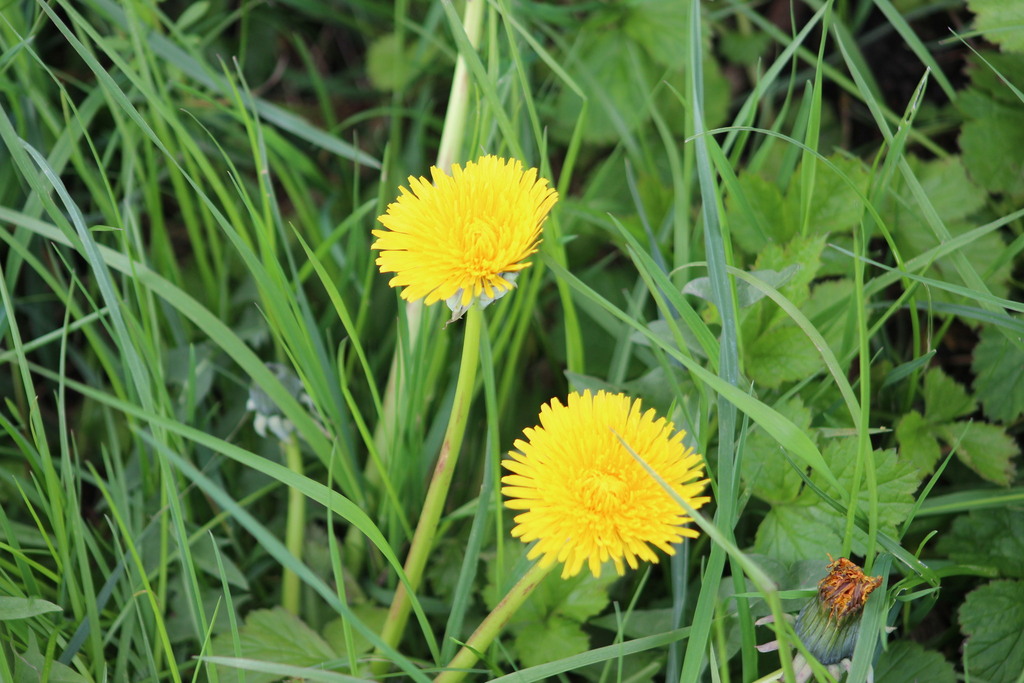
944 398
334 631
905 660
660 328
545 641
984 143
999 375
828 308
757 215
800 531
992 618
12 608
985 448
746 293
765 468
988 538
917 443
577 598
835 204
619 72
1001 22
987 71
949 190
809 527
273 635
803 250
661 27
897 480
782 354
30 666
641 623
205 558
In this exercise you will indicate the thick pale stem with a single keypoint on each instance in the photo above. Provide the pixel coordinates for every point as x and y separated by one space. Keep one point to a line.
452 135
437 493
493 624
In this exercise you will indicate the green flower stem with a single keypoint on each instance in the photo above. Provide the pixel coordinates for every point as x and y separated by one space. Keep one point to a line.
493 624
437 493
295 527
452 135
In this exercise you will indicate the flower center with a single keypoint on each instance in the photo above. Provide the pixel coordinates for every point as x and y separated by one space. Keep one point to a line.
481 255
603 492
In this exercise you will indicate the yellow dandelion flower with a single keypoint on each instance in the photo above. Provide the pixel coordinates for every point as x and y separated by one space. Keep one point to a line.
586 499
467 235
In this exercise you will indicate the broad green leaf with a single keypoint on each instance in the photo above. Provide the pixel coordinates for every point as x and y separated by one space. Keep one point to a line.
782 354
746 294
992 618
999 376
951 192
984 253
30 666
809 527
657 26
765 468
743 48
800 531
617 74
577 598
205 559
1000 21
12 608
334 632
985 448
984 143
828 308
835 205
944 399
994 75
917 442
641 623
540 642
660 328
905 660
389 64
803 250
897 480
757 215
988 538
277 636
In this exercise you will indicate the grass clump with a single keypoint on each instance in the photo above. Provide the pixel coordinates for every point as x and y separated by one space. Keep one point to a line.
787 240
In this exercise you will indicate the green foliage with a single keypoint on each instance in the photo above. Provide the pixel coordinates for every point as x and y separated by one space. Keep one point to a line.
389 64
24 608
992 618
985 448
993 111
1001 22
808 528
908 661
33 665
988 538
187 193
549 626
998 366
274 635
